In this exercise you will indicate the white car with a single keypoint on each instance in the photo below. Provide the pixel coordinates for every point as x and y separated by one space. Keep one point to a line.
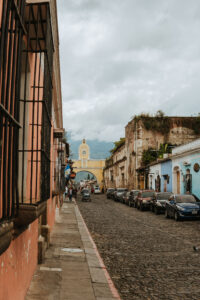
97 190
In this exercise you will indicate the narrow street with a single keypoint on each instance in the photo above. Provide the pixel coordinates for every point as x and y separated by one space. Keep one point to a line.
147 256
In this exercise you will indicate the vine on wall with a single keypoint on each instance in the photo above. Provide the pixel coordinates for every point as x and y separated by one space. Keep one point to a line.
162 124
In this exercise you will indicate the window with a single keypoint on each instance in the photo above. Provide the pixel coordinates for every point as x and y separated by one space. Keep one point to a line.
11 31
36 107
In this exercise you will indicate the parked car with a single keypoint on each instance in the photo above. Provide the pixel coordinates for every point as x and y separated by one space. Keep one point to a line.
144 199
133 197
125 197
97 190
109 192
159 202
119 193
85 195
112 194
182 207
121 196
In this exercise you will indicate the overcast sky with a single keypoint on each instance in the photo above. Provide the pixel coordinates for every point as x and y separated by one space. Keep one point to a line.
123 57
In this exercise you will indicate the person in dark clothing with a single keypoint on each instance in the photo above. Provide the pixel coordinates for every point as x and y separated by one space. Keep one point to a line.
70 194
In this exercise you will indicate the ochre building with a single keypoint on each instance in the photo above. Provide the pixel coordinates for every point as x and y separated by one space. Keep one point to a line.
85 164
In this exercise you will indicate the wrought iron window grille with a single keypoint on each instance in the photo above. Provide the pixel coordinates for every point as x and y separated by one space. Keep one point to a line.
11 32
36 107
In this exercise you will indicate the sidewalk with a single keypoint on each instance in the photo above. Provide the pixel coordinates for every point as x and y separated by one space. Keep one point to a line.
73 269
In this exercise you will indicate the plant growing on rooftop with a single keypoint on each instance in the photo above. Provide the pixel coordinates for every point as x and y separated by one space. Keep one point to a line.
117 144
161 123
150 155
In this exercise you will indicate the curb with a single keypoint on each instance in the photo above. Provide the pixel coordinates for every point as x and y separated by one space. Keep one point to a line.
103 267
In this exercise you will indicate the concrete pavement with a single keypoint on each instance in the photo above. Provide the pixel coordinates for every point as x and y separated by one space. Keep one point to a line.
73 269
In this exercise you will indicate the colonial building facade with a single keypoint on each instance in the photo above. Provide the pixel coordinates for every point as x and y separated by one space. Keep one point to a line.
186 168
147 133
115 169
32 149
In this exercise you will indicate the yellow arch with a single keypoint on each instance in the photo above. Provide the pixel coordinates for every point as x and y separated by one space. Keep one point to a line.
96 171
84 163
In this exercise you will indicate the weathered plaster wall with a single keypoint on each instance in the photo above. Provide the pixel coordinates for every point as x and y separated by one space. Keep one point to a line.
115 174
138 139
18 264
154 171
51 211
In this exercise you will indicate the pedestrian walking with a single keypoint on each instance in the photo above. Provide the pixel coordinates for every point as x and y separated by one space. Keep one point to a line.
70 194
66 192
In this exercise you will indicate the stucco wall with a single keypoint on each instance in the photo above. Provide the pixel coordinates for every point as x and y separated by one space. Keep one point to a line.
117 169
166 169
154 171
18 264
51 211
187 163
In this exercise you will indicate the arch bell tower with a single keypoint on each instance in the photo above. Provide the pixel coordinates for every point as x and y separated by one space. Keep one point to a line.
84 151
85 163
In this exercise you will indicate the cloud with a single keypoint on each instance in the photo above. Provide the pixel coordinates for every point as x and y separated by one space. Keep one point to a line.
121 58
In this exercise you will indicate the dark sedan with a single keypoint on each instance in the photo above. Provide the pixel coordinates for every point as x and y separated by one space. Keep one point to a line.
109 192
112 194
119 194
132 198
182 207
126 196
159 202
85 195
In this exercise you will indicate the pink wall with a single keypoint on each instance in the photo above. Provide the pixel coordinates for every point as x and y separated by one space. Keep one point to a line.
18 264
51 210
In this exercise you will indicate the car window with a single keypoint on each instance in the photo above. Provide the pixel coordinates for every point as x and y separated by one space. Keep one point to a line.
147 194
163 196
185 199
135 193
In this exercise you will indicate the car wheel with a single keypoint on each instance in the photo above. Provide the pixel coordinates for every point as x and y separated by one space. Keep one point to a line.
166 214
176 216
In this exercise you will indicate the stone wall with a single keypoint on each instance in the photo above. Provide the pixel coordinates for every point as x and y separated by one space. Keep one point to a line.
139 138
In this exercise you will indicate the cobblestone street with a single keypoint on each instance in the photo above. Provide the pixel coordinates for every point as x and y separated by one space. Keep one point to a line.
148 257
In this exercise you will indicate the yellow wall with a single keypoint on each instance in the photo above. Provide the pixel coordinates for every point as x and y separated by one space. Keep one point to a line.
84 163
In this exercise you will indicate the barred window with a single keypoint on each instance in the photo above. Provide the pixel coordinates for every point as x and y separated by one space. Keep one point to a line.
25 104
36 106
11 31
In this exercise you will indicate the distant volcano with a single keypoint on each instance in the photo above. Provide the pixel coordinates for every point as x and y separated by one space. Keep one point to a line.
98 150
